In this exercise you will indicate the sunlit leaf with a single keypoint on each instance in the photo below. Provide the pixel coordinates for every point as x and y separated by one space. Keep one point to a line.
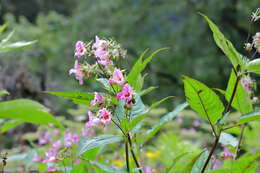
27 111
253 66
225 45
87 143
203 100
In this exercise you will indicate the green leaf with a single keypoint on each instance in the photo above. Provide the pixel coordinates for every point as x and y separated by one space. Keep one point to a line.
166 118
198 165
107 168
79 168
228 139
87 143
9 125
159 102
241 101
146 91
120 110
138 112
2 28
253 66
225 45
139 67
76 97
203 100
252 116
91 154
27 111
15 46
3 92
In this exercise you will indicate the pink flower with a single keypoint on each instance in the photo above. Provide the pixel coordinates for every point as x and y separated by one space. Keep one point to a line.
50 168
100 49
77 161
70 139
80 49
50 156
196 123
179 120
247 84
36 158
92 120
227 153
105 116
98 99
126 93
78 70
75 139
45 139
57 145
118 78
215 164
86 132
100 44
55 132
148 169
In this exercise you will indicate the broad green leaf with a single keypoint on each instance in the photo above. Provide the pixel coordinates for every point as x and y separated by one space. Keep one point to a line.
76 97
225 45
241 101
3 92
203 100
27 111
87 143
166 118
146 91
106 168
252 116
15 46
198 165
139 67
120 110
9 125
253 66
228 139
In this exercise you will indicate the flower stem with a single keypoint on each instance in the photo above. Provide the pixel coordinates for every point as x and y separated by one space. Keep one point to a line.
127 157
211 153
133 153
240 140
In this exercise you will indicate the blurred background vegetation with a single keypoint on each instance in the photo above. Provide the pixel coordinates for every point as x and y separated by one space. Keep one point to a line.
137 24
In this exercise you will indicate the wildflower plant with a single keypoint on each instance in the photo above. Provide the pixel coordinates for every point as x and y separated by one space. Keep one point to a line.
239 95
120 104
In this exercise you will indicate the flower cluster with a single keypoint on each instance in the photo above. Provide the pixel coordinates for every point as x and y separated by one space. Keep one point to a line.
52 156
104 53
247 83
226 153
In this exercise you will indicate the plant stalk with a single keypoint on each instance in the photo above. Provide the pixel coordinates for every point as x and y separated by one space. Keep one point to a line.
133 153
227 109
240 140
211 153
127 157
